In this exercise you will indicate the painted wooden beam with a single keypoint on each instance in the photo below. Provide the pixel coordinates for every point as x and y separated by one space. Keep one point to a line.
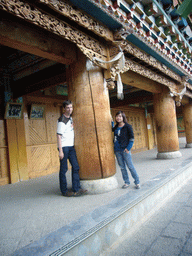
138 81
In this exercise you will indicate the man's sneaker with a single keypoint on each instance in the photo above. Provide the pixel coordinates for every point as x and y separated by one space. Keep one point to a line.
125 186
80 192
68 194
137 186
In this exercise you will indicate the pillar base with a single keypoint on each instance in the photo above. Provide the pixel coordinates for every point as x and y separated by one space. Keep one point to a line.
188 145
169 155
99 186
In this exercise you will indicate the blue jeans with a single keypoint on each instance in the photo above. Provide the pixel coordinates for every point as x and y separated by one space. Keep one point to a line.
69 153
124 159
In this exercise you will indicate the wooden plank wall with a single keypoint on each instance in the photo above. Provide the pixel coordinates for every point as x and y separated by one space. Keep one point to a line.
136 117
41 140
4 170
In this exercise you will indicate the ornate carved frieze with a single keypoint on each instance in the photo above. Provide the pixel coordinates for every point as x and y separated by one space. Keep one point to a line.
38 17
79 17
89 46
128 47
84 20
133 66
91 54
155 36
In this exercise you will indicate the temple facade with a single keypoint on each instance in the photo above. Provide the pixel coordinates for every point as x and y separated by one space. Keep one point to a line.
104 56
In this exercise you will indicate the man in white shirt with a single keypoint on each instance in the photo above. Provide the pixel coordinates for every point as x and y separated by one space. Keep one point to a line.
65 139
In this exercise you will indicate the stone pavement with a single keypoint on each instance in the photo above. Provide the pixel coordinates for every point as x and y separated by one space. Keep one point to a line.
32 209
167 232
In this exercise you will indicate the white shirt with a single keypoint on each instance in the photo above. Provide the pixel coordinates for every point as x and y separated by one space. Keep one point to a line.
65 129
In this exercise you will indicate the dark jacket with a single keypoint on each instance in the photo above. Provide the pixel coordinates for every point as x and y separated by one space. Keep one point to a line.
126 135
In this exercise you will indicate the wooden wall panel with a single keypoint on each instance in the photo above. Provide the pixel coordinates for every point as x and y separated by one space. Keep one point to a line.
36 132
54 157
13 150
42 153
17 150
3 142
135 117
52 115
4 171
39 158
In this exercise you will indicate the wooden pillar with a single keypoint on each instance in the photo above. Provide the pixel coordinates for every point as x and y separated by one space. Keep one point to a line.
92 125
187 115
166 125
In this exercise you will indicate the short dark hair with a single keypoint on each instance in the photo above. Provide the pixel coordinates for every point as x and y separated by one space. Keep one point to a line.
123 115
66 103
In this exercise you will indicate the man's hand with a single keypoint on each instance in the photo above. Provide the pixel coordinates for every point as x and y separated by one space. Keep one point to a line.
61 155
127 151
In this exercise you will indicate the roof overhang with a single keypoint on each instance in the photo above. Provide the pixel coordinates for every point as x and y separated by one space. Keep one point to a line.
113 23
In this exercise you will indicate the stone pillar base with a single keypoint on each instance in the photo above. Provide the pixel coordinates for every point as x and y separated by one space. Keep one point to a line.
99 186
188 145
169 155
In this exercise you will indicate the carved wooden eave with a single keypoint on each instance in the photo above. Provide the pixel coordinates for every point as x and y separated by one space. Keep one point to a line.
163 42
64 8
136 52
90 46
36 16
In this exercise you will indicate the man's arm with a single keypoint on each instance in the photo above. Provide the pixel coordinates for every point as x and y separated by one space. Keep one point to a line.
61 154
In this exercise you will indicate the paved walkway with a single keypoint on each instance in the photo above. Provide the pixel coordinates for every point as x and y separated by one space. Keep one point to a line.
32 209
167 232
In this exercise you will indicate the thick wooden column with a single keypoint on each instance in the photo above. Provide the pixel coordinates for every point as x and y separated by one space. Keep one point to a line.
187 115
92 120
166 125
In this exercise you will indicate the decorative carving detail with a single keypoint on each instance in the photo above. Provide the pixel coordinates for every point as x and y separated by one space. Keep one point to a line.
64 8
110 84
188 85
184 80
129 23
149 60
133 66
79 17
48 22
91 54
89 46
181 90
121 34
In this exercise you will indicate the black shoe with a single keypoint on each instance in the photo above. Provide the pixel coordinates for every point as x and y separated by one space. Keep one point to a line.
68 193
80 192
